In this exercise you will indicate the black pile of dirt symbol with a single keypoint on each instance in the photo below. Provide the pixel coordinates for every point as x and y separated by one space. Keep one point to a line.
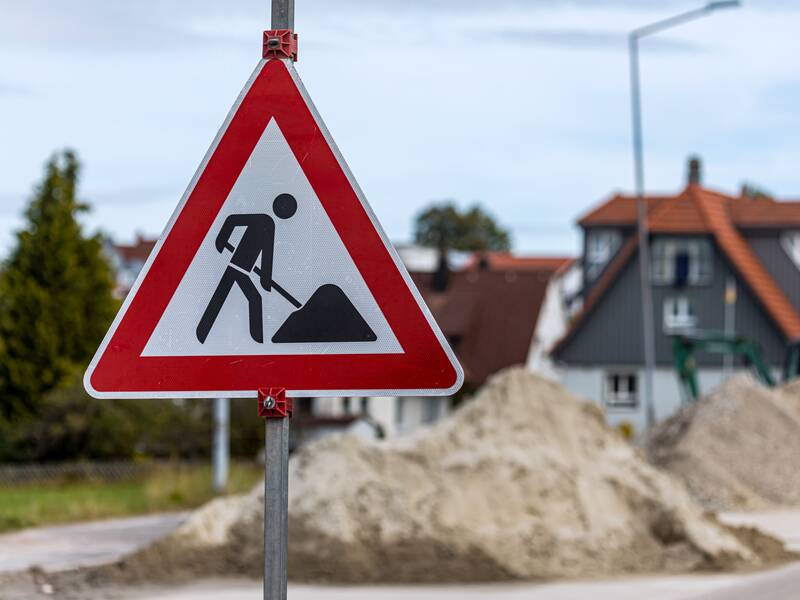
328 316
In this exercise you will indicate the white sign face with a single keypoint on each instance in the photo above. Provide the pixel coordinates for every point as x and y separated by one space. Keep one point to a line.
273 273
309 261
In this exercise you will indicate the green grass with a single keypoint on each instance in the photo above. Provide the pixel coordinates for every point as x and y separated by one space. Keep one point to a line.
32 505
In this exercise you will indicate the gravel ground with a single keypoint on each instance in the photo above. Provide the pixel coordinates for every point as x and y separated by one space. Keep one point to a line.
778 584
524 483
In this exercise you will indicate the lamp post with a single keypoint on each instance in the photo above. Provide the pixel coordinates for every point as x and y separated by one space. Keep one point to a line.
648 326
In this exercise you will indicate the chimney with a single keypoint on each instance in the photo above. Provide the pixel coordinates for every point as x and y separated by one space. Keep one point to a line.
695 173
441 276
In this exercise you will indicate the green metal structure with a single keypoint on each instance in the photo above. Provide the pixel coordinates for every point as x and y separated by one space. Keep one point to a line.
685 345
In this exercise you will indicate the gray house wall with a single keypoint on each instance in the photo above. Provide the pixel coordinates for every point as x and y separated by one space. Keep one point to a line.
626 233
612 333
768 248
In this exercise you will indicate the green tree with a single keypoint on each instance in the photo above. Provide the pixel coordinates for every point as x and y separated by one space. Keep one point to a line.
445 227
55 293
70 425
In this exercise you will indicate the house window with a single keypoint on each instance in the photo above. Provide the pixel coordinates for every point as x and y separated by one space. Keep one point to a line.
680 262
679 314
601 245
621 390
791 245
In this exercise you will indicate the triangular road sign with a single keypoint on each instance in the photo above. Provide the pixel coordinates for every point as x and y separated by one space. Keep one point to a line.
273 272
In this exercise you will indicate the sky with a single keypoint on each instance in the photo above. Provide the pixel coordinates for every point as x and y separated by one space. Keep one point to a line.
520 105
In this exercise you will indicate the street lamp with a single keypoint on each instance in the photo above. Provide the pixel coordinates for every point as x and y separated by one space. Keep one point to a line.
638 163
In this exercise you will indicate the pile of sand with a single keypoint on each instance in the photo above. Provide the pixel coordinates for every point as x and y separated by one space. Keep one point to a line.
524 482
737 448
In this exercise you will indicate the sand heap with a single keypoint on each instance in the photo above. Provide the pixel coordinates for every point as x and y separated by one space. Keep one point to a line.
738 448
524 482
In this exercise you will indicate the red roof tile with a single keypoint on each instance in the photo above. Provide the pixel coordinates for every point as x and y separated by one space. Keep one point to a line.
139 251
699 210
617 210
489 316
744 212
716 208
505 261
764 212
677 215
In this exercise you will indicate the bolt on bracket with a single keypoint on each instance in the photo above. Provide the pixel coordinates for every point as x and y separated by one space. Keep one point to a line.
280 43
273 403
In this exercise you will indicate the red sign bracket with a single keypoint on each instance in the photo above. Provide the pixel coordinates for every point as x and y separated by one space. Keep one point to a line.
280 43
273 403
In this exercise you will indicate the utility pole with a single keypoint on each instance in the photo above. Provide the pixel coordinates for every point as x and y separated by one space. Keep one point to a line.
645 289
221 451
645 286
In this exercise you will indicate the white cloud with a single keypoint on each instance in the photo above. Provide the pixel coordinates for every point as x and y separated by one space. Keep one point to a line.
523 106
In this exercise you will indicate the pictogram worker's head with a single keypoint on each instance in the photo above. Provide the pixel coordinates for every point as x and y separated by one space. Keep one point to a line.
284 206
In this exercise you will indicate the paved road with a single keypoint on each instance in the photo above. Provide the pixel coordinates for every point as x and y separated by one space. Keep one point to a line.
82 544
781 584
783 524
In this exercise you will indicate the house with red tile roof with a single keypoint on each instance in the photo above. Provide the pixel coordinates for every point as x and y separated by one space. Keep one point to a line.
497 310
501 310
702 243
127 261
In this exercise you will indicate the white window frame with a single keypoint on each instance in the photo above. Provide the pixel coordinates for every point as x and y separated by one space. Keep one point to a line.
620 399
679 314
790 241
601 246
701 260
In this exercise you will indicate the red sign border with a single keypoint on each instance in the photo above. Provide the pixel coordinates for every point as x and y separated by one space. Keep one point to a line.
427 365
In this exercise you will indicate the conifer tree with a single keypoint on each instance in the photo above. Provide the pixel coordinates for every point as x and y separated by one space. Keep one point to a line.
55 293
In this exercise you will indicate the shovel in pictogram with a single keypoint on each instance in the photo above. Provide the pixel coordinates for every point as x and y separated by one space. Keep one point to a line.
328 316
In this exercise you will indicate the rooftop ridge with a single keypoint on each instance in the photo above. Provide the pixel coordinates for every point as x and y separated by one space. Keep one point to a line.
715 211
746 262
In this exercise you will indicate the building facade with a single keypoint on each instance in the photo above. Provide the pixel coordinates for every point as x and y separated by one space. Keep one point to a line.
496 310
127 260
704 247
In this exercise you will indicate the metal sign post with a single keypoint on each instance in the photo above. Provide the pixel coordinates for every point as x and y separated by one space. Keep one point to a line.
283 14
276 410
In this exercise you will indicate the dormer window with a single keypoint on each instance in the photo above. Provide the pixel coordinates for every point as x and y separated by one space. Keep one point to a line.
790 241
682 261
601 246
